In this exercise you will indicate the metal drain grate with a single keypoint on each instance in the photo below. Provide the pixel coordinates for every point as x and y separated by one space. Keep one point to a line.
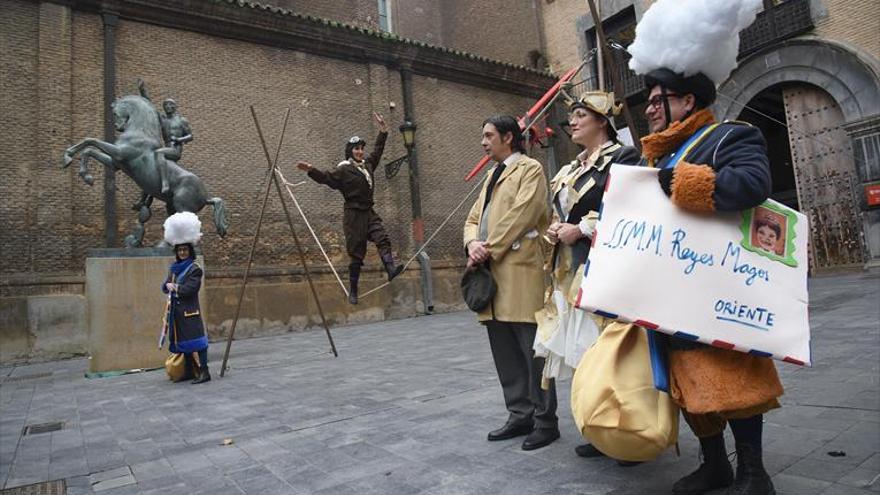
26 377
57 487
42 428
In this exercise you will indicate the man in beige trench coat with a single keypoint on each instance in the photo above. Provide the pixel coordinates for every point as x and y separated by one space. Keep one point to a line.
502 230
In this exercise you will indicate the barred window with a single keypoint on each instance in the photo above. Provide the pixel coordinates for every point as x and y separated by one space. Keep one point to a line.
867 151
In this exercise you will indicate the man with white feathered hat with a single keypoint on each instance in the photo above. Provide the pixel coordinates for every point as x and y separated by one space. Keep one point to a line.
684 48
185 327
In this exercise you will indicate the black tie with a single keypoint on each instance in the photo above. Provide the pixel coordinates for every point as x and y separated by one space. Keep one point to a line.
492 181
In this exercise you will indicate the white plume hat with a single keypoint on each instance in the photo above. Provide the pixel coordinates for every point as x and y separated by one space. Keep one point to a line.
183 228
690 37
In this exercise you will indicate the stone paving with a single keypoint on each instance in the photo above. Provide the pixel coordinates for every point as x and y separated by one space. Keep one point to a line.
405 409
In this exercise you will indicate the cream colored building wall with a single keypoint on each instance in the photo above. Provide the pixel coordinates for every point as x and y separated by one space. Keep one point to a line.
561 33
566 21
854 22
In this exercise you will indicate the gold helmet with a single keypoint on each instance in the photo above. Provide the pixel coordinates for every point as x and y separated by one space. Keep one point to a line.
601 103
597 101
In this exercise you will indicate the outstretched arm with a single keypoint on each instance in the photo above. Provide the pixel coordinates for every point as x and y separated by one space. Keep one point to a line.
329 179
379 147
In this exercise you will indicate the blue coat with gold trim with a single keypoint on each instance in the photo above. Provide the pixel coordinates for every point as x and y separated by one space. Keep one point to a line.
186 329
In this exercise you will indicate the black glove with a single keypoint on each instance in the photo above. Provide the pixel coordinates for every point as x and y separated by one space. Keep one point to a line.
665 179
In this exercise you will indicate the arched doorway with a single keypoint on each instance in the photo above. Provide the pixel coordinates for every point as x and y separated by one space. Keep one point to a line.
812 167
816 88
766 111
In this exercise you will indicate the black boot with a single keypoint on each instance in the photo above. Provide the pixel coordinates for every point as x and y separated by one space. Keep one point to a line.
203 375
390 268
354 274
714 472
751 477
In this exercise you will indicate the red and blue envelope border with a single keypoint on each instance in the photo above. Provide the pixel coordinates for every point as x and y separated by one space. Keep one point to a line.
675 333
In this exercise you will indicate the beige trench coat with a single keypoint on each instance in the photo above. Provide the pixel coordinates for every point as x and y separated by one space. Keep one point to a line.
518 217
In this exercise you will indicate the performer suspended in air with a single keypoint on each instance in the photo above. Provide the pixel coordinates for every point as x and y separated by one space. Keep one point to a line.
353 177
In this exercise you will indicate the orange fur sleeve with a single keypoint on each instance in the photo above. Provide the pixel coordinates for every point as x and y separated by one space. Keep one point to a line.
693 187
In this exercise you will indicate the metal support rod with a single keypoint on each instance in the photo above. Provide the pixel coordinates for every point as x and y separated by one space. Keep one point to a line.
247 269
418 223
608 58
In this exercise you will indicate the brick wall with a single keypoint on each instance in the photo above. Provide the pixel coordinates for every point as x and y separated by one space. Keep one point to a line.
19 30
855 22
565 23
563 39
357 12
450 117
504 30
419 20
51 218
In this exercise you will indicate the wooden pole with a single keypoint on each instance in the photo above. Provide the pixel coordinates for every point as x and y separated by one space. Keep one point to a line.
608 57
247 269
299 249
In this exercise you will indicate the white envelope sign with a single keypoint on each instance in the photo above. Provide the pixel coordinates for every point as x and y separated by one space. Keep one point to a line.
732 280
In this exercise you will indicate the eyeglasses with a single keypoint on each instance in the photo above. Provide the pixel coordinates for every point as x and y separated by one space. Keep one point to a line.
657 100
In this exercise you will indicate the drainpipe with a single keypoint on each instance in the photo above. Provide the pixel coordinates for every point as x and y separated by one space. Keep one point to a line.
110 225
418 224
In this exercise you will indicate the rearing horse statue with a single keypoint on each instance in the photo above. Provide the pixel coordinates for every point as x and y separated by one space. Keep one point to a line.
136 152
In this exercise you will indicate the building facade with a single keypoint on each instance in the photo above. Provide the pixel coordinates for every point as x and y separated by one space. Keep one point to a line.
65 61
811 65
808 77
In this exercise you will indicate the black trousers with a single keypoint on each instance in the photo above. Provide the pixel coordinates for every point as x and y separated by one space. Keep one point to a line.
361 226
520 374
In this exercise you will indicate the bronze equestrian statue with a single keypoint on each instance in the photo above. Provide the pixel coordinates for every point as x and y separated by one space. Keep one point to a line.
139 152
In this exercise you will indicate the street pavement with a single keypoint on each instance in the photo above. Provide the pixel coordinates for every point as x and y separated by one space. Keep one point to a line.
405 409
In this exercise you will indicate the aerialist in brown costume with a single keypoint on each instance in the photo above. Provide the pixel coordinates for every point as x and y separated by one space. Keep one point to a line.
353 177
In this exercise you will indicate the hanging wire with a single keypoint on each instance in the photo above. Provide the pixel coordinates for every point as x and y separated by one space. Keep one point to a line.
436 231
790 128
289 185
617 46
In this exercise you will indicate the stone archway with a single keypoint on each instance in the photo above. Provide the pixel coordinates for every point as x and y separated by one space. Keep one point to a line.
824 87
849 79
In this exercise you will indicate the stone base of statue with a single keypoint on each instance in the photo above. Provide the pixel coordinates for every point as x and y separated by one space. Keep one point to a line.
125 307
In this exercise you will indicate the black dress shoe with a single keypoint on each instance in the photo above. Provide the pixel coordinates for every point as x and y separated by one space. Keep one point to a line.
540 437
510 430
588 450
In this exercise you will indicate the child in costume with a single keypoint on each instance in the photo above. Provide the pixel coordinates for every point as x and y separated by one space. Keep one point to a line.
186 330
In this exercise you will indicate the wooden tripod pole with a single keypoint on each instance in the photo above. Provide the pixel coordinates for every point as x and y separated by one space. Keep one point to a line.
619 90
299 249
247 268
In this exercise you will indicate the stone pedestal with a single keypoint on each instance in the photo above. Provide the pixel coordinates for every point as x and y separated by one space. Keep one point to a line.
125 307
